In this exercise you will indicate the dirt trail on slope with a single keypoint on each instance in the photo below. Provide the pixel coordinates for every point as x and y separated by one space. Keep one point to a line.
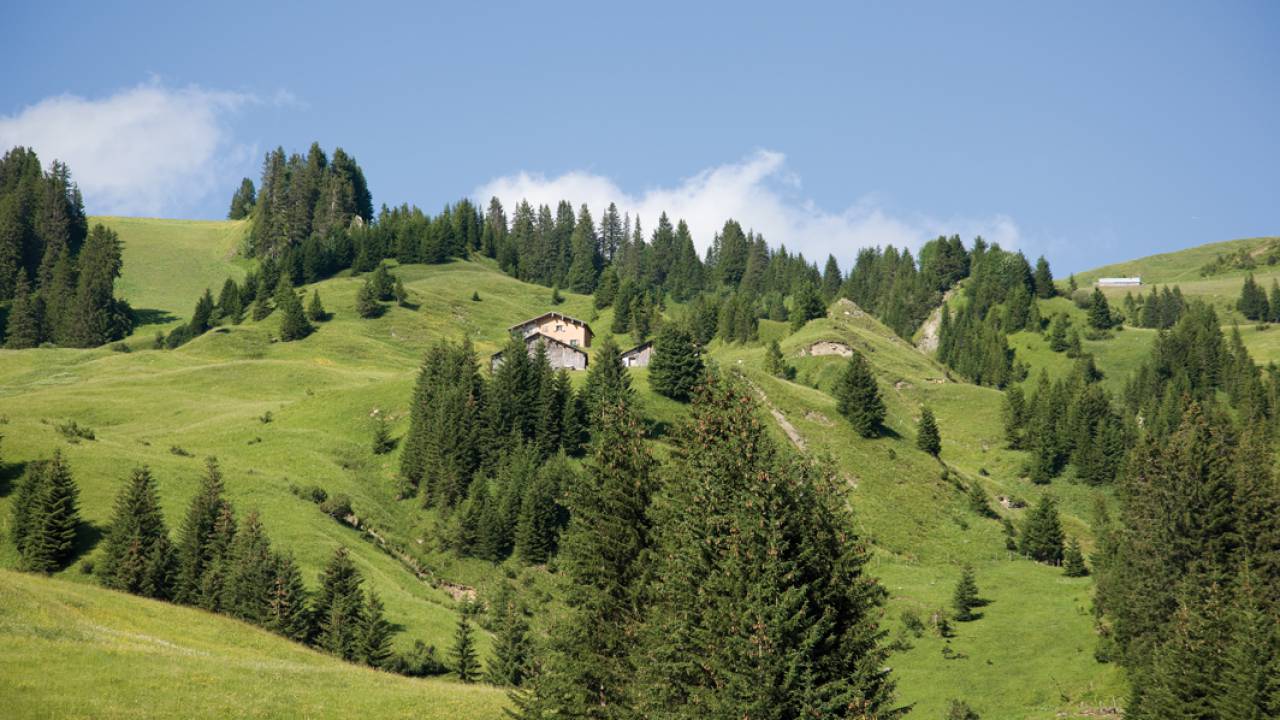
781 419
929 331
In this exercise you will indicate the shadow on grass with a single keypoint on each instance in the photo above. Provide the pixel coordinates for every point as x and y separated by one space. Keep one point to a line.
9 474
88 536
151 316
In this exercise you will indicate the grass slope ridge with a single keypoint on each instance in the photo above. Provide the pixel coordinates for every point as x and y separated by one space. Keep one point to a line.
69 650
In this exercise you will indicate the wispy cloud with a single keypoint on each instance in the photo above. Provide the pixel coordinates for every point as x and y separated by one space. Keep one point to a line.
760 193
146 150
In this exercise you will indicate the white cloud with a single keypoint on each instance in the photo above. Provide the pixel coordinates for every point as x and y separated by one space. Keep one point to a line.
761 194
147 150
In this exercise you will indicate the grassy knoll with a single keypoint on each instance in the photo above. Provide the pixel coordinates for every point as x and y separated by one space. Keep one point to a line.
77 651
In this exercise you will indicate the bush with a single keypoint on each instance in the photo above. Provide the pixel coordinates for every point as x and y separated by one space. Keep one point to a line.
421 661
266 417
120 347
74 432
310 493
336 507
179 451
912 622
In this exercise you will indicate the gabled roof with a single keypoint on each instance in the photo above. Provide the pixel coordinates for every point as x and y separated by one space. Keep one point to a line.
553 314
547 339
637 348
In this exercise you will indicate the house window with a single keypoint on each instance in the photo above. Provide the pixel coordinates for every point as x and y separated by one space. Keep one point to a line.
574 343
559 328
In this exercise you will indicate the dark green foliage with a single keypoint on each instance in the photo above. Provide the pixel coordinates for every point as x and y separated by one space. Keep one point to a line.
541 515
556 297
974 347
1041 536
676 367
382 443
466 663
399 293
339 607
260 309
858 397
384 284
138 556
756 548
1100 311
608 381
1073 560
806 305
512 647
475 296
1161 309
25 327
607 289
965 597
93 315
1058 332
251 570
46 516
202 316
776 365
589 669
193 551
293 319
585 267
447 419
315 309
374 641
242 201
1253 302
1043 278
230 305
367 305
217 565
888 284
300 198
1015 415
927 437
286 610
960 710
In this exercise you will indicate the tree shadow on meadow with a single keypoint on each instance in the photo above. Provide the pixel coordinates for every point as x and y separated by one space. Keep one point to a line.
9 474
151 316
88 536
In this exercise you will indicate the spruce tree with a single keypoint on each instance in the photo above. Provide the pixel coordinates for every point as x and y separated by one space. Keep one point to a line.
400 294
1099 311
761 603
286 610
339 606
315 309
25 328
512 648
1041 537
776 364
927 437
608 380
229 303
251 572
202 316
589 670
466 663
541 515
242 201
261 308
1073 560
367 305
196 531
138 556
293 320
676 367
217 564
806 305
965 597
858 397
1058 332
374 641
50 516
1043 279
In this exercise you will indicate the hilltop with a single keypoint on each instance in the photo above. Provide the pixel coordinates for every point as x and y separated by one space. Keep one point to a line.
210 397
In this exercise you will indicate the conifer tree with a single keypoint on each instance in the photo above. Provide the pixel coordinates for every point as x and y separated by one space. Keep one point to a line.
858 397
960 710
466 663
242 201
1099 311
293 320
250 572
676 367
339 606
401 295
1073 560
1041 537
965 597
261 308
511 644
589 670
1058 332
383 284
315 309
756 549
776 364
25 328
217 564
584 246
286 608
541 516
367 305
201 317
47 516
927 437
607 289
196 531
806 305
607 379
374 640
229 304
138 556
1044 279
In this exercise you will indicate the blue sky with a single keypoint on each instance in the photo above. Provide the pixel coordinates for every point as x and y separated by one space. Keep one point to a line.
1091 132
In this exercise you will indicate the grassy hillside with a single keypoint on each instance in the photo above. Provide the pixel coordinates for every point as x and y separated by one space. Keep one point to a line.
209 398
76 651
